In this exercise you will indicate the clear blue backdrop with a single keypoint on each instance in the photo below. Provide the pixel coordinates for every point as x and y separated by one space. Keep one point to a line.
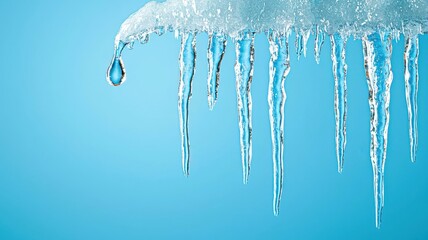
80 159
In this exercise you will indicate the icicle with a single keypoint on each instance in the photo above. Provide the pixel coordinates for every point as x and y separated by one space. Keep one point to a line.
306 34
187 70
377 62
338 43
116 73
319 41
244 76
279 67
216 48
299 44
302 37
411 55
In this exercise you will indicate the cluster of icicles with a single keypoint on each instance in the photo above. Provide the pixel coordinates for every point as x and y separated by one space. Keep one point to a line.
377 61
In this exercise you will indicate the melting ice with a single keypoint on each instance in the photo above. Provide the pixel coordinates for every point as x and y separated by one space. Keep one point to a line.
375 22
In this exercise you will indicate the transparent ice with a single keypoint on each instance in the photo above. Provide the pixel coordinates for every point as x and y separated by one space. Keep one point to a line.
376 22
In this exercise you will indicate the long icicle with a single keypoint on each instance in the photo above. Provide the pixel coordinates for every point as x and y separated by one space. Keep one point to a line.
338 54
279 68
377 62
216 48
187 70
411 77
244 76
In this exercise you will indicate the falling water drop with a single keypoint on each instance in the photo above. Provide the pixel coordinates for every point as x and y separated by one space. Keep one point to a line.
377 62
279 68
216 48
411 77
244 76
338 53
187 70
116 73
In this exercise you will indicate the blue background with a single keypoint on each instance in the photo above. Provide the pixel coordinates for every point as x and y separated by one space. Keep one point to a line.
80 159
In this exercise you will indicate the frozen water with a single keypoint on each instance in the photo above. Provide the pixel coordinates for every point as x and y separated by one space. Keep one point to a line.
244 77
279 67
216 49
411 77
377 62
233 17
376 22
187 71
338 43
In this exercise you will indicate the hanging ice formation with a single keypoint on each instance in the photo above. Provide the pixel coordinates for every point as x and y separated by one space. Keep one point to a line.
376 22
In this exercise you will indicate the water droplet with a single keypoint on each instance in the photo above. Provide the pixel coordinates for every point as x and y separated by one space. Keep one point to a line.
116 73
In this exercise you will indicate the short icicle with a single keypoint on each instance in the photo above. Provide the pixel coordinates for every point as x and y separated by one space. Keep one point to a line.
116 73
187 71
338 53
319 41
306 34
377 62
216 48
411 77
279 68
299 44
244 76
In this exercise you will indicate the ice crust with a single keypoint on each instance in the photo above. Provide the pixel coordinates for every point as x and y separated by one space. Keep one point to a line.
354 17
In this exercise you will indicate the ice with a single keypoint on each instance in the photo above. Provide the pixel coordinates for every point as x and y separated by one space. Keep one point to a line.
319 42
302 38
338 43
187 71
244 76
279 67
377 62
216 47
411 77
234 17
376 22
